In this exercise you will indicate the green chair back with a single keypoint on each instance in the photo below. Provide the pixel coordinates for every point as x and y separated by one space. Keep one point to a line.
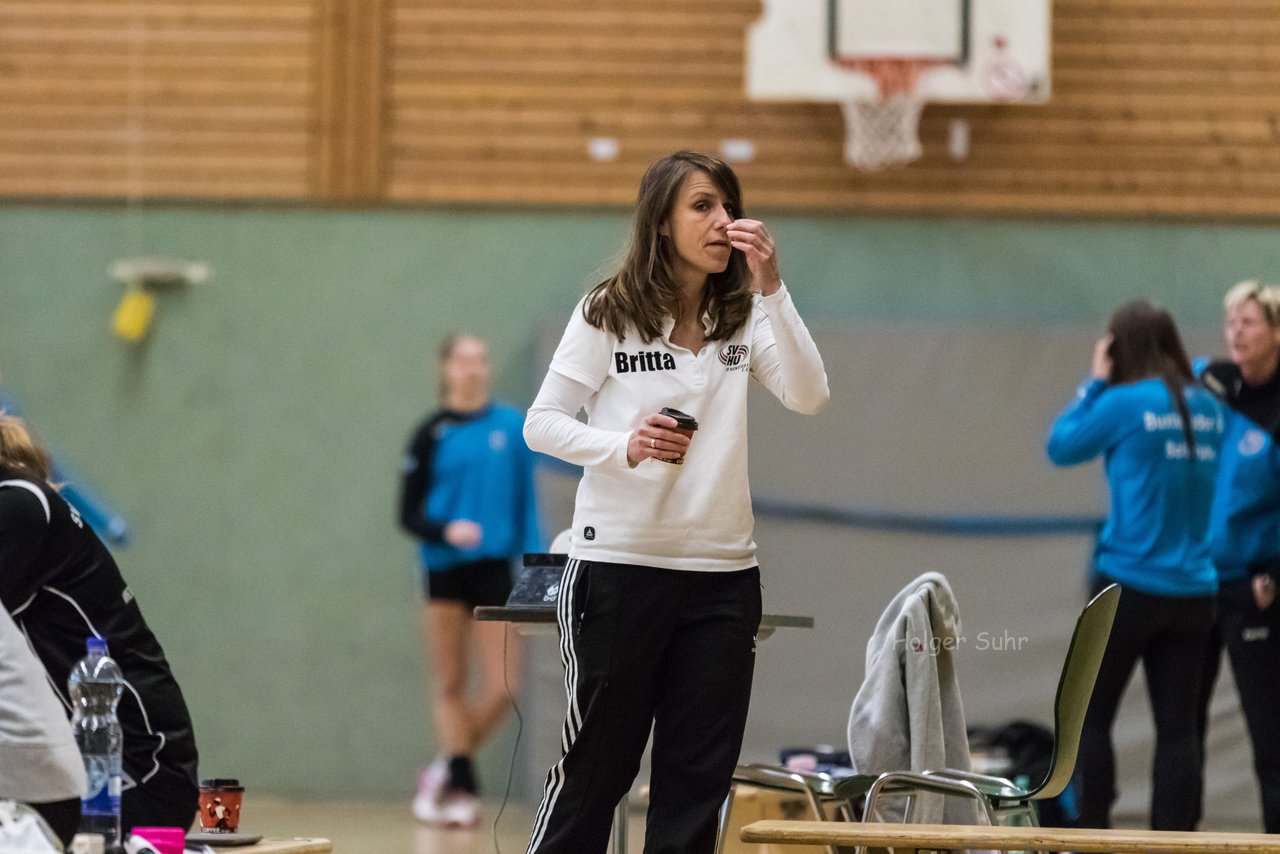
1075 687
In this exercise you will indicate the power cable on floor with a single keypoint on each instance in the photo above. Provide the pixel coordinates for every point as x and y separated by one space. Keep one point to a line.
511 769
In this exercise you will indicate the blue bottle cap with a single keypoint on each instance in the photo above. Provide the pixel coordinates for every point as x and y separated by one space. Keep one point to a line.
96 644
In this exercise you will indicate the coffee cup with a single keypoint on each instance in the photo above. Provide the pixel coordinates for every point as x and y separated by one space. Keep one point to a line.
686 425
220 800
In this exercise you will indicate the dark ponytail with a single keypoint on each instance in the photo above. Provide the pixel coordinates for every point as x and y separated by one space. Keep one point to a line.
1146 344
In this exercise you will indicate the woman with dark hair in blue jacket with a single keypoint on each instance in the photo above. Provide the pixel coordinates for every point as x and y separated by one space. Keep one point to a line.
1159 435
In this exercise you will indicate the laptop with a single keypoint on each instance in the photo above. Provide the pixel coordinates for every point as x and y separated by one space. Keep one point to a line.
538 584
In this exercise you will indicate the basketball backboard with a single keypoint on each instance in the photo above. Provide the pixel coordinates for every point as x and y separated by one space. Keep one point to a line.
968 51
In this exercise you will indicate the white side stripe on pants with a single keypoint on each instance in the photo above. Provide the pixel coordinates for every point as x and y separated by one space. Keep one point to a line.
565 608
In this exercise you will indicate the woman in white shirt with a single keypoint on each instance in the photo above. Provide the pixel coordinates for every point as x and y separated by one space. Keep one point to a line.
660 601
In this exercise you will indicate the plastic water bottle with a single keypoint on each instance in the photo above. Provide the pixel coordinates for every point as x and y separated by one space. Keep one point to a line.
95 685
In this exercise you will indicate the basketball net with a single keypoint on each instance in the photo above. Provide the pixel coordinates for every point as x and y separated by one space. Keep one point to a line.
885 131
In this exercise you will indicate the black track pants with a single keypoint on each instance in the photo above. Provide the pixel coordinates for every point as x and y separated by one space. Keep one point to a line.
1252 638
1169 634
646 648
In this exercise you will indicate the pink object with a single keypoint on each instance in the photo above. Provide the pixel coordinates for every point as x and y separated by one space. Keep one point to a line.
796 762
166 840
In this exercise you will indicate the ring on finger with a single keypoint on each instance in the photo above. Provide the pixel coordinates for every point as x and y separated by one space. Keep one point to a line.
653 443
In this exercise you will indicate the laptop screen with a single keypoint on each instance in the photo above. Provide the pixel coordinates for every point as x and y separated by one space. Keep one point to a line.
538 584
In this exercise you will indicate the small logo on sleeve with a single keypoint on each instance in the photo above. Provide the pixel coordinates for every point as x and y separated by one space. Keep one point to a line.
1252 442
588 533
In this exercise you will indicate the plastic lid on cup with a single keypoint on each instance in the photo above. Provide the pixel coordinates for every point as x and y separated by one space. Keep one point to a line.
684 420
226 784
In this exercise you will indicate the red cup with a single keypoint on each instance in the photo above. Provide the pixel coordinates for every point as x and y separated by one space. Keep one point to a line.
220 805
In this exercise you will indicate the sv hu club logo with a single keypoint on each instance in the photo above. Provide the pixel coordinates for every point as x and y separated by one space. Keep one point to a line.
733 354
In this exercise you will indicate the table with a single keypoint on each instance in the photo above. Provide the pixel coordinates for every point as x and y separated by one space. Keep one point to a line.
297 845
539 620
542 620
930 837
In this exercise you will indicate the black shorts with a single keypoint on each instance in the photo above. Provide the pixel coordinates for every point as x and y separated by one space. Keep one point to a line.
481 582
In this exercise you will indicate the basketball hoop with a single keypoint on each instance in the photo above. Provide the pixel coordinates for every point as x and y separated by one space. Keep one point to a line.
882 59
884 131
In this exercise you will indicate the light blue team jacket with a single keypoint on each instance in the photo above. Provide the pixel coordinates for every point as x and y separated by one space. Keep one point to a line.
1156 538
483 471
1244 525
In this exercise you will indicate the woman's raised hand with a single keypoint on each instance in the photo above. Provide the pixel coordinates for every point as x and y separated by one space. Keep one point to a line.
754 240
1101 368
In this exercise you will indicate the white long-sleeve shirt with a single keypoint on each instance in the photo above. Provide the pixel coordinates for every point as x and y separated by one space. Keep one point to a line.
695 516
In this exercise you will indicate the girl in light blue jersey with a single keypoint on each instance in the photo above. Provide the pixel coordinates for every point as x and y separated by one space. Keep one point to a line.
468 497
1159 436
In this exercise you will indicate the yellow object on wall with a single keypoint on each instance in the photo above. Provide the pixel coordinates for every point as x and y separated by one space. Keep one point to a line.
133 315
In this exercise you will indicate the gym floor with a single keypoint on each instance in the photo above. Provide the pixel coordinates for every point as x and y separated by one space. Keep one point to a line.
386 826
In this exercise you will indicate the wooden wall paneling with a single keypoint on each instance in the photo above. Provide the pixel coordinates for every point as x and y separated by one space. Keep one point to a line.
349 145
1159 107
130 98
509 94
330 139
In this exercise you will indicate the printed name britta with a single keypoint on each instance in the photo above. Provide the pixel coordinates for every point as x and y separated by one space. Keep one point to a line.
645 360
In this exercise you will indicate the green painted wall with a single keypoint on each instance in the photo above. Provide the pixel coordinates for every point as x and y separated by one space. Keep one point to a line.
253 443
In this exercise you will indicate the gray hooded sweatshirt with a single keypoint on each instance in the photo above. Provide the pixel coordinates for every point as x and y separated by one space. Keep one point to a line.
907 715
39 761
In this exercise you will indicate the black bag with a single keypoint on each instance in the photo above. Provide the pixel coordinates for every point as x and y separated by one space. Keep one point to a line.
1029 748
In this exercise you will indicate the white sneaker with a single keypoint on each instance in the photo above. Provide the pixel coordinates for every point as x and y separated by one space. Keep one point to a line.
427 802
460 809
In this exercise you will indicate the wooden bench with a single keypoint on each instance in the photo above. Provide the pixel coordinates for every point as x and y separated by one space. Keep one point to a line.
944 837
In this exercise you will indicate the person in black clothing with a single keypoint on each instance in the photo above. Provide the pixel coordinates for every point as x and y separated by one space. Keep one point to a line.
1245 528
61 585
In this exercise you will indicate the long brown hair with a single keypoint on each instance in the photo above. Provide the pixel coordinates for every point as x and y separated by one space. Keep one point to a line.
19 449
643 293
1146 344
